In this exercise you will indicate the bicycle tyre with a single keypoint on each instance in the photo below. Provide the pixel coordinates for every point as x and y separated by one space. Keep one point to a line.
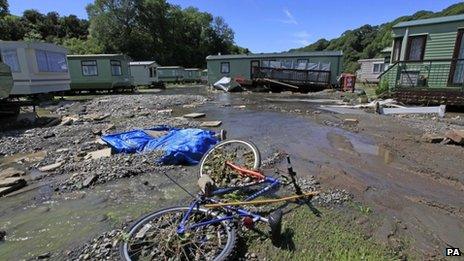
249 144
226 253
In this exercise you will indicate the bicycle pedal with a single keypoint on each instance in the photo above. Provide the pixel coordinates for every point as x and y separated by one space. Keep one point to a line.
275 223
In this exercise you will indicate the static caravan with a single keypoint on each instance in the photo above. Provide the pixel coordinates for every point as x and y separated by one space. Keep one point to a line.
6 81
170 73
36 68
297 68
204 76
192 75
427 61
94 72
144 73
370 70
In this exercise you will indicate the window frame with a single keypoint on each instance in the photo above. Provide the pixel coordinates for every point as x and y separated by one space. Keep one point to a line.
82 68
119 65
408 48
48 58
399 41
16 56
228 67
380 67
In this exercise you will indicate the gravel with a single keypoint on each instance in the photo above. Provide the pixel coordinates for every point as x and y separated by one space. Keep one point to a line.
103 247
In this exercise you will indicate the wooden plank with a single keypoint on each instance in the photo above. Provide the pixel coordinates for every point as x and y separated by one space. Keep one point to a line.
281 83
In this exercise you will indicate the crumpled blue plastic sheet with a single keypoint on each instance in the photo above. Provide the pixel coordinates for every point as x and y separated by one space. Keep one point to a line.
180 146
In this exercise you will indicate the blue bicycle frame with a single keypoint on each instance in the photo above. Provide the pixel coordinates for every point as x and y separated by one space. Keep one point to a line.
272 184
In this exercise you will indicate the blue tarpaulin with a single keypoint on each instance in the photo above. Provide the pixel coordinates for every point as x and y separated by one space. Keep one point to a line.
180 146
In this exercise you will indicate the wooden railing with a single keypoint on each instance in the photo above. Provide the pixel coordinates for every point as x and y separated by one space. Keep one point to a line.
294 76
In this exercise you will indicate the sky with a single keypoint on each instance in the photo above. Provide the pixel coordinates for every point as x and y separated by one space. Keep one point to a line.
274 25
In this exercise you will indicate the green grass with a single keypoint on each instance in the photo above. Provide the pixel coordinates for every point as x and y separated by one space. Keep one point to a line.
334 235
369 89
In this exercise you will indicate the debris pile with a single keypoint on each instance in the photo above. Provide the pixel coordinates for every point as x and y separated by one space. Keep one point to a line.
104 247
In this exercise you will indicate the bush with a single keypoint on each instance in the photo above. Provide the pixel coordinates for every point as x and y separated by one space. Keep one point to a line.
382 87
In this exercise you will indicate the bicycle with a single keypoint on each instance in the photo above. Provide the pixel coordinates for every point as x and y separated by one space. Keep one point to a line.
206 229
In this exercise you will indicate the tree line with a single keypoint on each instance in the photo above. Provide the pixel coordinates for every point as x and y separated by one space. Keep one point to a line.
143 29
367 41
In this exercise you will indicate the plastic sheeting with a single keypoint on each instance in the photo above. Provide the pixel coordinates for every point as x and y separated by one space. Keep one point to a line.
227 84
180 146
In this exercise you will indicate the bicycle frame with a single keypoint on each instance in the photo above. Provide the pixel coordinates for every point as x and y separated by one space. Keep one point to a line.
272 183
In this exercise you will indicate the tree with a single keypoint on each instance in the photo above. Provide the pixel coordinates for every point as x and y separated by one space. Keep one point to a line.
4 8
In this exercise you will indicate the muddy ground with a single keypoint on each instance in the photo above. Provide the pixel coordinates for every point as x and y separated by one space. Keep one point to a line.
412 189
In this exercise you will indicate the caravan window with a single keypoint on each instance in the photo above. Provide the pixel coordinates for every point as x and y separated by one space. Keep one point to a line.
116 69
89 68
225 67
301 64
378 67
416 48
51 61
10 58
287 64
152 72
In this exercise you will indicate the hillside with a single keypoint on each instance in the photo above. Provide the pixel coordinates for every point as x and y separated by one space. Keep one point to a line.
367 41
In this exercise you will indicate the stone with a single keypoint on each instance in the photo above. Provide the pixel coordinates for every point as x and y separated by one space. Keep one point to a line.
194 115
456 136
211 124
68 120
432 138
89 180
96 117
167 111
49 135
51 167
350 121
11 172
239 107
99 154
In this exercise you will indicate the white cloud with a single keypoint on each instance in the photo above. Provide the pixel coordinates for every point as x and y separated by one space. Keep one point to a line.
290 18
301 38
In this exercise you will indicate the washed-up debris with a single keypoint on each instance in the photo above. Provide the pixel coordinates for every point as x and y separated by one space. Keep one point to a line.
457 136
440 110
432 138
68 120
211 124
99 154
9 185
51 167
168 111
350 121
89 180
96 117
194 115
11 172
280 83
305 100
239 107
227 84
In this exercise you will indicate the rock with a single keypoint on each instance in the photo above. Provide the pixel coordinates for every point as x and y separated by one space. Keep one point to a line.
211 124
11 172
194 115
350 121
44 256
96 117
2 235
239 107
456 136
100 141
432 138
99 154
89 180
68 120
49 135
167 111
51 167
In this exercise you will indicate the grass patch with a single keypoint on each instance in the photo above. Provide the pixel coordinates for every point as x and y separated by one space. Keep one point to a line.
335 235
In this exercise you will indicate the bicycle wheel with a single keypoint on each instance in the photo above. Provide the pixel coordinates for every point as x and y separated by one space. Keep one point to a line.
155 237
239 152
